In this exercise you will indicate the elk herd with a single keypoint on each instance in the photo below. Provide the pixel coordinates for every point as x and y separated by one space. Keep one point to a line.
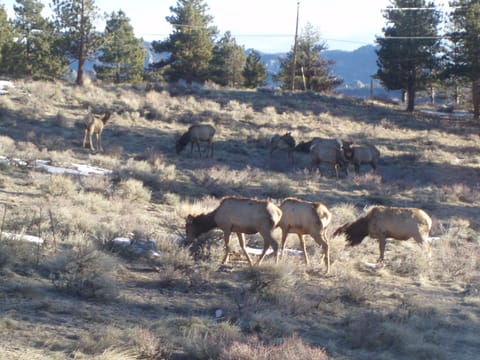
242 216
294 216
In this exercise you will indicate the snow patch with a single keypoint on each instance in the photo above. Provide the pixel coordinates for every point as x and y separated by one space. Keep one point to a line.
20 237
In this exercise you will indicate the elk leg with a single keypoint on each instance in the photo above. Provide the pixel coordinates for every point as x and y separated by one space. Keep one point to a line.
199 148
209 149
335 168
284 242
304 249
381 243
322 241
241 240
85 137
226 237
91 141
357 168
267 241
99 140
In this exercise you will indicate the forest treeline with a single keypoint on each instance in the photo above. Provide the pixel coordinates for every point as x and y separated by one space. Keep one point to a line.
422 48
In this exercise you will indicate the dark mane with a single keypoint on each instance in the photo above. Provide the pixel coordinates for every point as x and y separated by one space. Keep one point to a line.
304 146
355 231
289 140
201 224
106 117
183 141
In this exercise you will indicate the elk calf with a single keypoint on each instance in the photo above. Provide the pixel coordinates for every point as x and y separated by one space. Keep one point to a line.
95 125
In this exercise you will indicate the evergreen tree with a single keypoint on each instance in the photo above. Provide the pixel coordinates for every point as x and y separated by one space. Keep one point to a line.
6 36
122 55
312 72
36 53
254 71
464 52
75 21
227 62
407 52
191 44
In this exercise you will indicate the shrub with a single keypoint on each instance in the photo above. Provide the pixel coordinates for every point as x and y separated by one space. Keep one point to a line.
85 272
60 186
131 189
291 348
272 282
209 340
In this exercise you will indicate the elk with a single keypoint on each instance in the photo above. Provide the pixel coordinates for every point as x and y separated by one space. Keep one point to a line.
305 146
327 154
194 135
241 216
304 217
382 222
95 125
362 154
284 142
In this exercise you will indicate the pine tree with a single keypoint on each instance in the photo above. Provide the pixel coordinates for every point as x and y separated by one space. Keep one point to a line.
36 53
191 43
227 62
254 71
75 21
6 37
122 55
464 52
312 72
407 52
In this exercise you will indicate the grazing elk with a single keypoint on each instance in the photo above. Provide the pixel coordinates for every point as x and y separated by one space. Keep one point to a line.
95 125
305 146
241 216
331 155
302 218
196 134
362 154
382 222
284 142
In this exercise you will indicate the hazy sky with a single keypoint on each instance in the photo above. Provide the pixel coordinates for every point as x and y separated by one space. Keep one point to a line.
266 25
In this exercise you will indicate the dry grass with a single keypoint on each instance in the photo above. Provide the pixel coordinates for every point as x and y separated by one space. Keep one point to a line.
180 303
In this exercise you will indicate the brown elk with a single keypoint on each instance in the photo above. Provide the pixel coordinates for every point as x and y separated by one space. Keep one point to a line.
241 216
284 142
305 146
196 134
362 154
326 154
302 218
95 125
382 222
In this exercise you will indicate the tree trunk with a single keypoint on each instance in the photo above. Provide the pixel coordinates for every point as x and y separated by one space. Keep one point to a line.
410 100
81 47
411 94
476 98
81 62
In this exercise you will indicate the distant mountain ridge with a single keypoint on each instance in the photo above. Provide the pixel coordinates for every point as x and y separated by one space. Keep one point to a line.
356 68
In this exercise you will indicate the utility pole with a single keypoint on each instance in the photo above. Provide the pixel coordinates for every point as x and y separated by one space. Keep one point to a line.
294 62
